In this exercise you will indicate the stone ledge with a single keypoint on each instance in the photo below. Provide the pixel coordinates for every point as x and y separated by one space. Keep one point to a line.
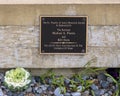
30 58
103 57
106 14
59 1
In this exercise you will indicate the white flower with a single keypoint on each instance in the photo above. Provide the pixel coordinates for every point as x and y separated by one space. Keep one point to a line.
17 78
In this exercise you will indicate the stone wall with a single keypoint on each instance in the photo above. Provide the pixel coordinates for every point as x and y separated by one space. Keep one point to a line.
19 46
19 36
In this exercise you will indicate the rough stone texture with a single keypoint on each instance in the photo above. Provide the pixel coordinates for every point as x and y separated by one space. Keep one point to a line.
106 36
98 14
15 36
59 1
15 57
19 46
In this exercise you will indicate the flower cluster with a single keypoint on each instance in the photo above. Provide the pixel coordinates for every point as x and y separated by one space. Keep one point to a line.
17 79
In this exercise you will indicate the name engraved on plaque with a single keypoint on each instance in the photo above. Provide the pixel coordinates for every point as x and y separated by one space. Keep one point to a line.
63 34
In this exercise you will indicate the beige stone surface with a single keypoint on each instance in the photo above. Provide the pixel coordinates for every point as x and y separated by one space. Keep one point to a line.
106 36
59 1
19 36
95 13
99 14
19 47
118 57
112 14
15 57
57 71
104 58
17 15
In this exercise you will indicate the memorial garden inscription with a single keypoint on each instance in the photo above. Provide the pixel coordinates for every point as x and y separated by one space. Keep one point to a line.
63 34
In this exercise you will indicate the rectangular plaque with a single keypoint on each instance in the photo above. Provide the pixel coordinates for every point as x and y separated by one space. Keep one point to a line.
59 34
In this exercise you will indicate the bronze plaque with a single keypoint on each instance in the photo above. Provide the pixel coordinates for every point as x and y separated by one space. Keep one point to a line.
60 34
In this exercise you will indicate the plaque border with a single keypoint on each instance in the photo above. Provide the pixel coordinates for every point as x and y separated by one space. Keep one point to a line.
63 53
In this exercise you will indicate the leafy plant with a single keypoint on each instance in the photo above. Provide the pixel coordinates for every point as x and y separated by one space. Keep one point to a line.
59 82
117 93
119 80
76 80
88 83
48 75
90 70
92 92
73 87
17 79
114 74
80 81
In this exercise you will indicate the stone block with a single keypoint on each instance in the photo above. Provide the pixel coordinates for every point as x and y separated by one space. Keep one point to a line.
112 14
17 15
99 14
118 57
110 35
15 57
102 57
14 36
106 36
97 36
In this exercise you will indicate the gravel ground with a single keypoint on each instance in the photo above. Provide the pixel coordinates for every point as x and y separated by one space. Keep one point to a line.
101 85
